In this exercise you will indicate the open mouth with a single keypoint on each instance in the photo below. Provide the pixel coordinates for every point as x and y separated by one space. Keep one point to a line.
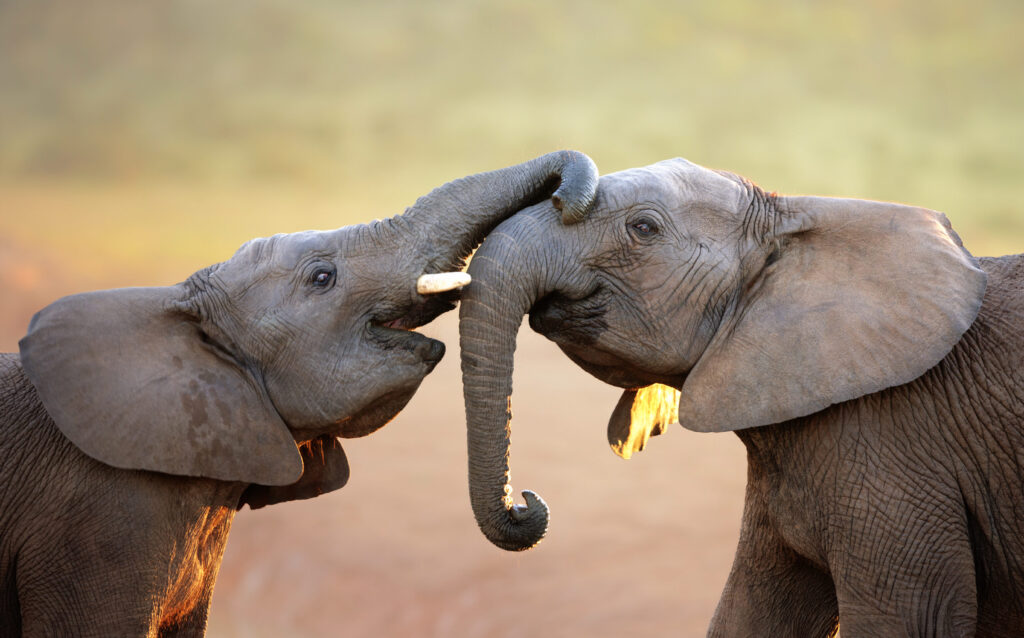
397 329
401 323
416 315
393 326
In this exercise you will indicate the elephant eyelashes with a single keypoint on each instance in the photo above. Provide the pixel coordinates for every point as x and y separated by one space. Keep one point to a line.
643 228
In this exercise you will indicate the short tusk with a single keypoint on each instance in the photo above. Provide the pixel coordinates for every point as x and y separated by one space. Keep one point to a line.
441 282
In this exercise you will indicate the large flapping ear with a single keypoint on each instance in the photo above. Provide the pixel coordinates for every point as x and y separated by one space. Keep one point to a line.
639 415
324 469
862 296
130 378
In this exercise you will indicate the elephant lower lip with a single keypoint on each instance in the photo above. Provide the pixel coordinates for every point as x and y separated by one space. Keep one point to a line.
431 351
424 348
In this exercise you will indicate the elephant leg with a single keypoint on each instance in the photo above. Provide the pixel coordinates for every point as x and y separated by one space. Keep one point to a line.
905 567
109 602
772 590
94 583
65 600
932 604
933 596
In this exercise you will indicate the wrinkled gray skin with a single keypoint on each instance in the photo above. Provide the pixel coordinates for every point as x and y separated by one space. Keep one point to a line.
137 421
870 365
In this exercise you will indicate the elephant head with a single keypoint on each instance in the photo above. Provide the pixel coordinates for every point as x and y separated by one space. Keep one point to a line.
247 370
749 308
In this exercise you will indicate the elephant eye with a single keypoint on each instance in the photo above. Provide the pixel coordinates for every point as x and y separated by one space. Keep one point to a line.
644 227
322 278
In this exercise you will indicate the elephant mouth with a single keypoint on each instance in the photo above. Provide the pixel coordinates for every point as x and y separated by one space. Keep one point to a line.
571 321
393 331
577 326
412 316
576 329
419 313
391 328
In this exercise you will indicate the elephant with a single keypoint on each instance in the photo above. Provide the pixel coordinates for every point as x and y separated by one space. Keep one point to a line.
135 422
871 366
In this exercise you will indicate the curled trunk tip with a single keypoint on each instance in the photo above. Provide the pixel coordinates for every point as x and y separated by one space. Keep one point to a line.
522 526
578 189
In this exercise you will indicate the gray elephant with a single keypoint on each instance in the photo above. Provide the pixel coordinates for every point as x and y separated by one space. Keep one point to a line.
871 366
137 421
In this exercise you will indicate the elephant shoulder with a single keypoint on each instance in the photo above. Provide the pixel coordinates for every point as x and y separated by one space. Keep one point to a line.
19 403
991 353
1001 319
1005 290
30 442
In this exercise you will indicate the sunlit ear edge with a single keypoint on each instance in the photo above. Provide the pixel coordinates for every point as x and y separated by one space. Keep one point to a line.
651 410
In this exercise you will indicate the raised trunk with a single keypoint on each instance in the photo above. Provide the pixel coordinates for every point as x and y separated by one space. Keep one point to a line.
447 223
507 281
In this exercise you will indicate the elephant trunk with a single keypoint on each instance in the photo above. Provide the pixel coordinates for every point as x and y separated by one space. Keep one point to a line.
450 221
507 281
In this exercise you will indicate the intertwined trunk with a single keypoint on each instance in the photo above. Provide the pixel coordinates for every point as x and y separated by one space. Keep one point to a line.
450 221
508 278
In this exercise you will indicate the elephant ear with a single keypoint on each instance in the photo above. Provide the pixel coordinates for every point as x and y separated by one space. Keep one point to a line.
324 469
131 379
639 415
862 296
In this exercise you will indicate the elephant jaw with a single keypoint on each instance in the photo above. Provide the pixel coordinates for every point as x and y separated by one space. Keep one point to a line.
614 371
374 416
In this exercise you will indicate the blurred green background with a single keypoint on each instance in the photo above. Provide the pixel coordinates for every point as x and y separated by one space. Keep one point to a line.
370 104
140 141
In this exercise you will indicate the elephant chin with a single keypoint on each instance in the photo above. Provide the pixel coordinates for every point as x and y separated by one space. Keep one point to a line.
376 415
613 371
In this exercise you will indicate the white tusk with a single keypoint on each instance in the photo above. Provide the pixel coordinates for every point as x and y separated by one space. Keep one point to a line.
441 282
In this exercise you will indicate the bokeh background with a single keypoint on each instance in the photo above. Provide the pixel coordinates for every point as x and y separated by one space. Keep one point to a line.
141 141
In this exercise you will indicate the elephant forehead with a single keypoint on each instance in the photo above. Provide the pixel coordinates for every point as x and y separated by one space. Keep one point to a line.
673 183
269 258
282 250
291 249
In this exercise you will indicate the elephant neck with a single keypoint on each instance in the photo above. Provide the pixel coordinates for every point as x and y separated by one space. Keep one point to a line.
771 449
